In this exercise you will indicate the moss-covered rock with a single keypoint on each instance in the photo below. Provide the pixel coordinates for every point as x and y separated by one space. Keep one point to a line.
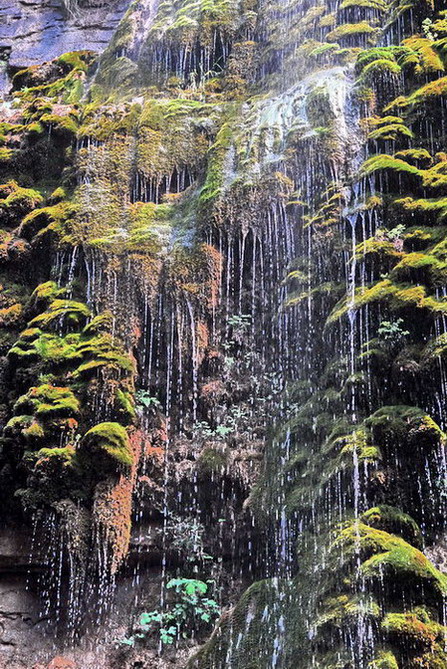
106 447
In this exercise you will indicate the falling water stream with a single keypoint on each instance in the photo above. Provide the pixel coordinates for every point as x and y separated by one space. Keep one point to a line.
256 320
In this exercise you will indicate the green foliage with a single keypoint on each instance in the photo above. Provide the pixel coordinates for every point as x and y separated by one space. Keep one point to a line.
427 27
185 536
213 460
189 611
16 201
146 401
47 219
396 295
392 331
240 322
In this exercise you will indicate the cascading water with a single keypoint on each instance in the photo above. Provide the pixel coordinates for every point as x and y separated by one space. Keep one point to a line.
223 338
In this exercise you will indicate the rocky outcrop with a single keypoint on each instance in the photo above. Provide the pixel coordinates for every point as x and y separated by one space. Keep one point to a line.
33 31
223 335
20 623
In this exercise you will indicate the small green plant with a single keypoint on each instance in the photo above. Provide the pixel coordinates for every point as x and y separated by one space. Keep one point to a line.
145 400
223 431
396 233
190 610
427 27
236 418
392 330
203 430
185 535
239 322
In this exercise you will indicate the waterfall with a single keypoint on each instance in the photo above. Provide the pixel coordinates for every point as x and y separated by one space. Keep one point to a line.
223 338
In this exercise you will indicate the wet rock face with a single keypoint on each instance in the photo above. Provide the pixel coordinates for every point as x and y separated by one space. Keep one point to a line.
36 31
172 242
19 616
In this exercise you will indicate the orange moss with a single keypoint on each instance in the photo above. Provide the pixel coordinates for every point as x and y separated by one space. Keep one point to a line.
112 512
60 662
9 316
213 263
202 336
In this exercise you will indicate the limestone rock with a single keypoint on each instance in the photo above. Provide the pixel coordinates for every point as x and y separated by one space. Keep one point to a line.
33 31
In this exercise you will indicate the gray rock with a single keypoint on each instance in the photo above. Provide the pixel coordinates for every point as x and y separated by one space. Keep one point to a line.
33 31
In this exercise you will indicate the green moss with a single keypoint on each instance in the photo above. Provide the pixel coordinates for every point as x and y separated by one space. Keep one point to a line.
11 316
192 18
394 521
424 94
389 128
422 55
416 155
323 48
385 162
349 30
379 246
61 80
16 201
83 353
122 72
387 556
77 60
215 173
420 267
435 350
47 401
344 610
107 447
437 206
99 324
34 432
417 629
379 5
58 195
54 475
59 457
246 634
47 292
345 446
384 660
35 128
212 460
101 351
396 295
380 66
5 154
17 424
62 125
390 53
126 403
51 349
53 218
69 312
405 425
